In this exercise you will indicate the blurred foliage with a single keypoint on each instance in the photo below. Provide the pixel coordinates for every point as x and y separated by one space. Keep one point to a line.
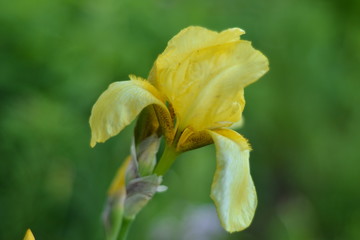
302 118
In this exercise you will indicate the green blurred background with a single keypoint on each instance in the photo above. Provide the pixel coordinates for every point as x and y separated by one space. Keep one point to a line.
302 118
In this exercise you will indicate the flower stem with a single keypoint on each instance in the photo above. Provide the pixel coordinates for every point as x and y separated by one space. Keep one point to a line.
126 223
112 220
167 159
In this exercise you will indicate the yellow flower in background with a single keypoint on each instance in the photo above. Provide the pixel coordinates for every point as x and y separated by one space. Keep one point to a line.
196 87
29 235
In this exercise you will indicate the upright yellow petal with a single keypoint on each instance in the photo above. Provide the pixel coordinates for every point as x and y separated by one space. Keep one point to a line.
119 105
29 235
185 43
233 190
203 74
191 39
206 88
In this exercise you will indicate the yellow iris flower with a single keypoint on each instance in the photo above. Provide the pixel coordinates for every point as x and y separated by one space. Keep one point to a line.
196 88
29 235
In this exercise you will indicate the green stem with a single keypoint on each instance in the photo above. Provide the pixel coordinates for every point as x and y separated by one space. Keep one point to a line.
167 159
126 223
112 226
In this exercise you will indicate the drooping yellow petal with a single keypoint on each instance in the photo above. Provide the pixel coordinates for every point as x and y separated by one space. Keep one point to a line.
119 105
29 235
233 190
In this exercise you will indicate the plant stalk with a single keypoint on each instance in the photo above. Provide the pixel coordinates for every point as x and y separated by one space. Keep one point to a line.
125 226
167 159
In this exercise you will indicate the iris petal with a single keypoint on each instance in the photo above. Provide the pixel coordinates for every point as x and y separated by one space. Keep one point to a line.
203 74
233 190
29 235
119 105
194 38
181 46
213 83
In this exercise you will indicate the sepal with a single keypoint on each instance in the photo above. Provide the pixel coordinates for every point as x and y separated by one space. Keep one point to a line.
139 193
146 155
